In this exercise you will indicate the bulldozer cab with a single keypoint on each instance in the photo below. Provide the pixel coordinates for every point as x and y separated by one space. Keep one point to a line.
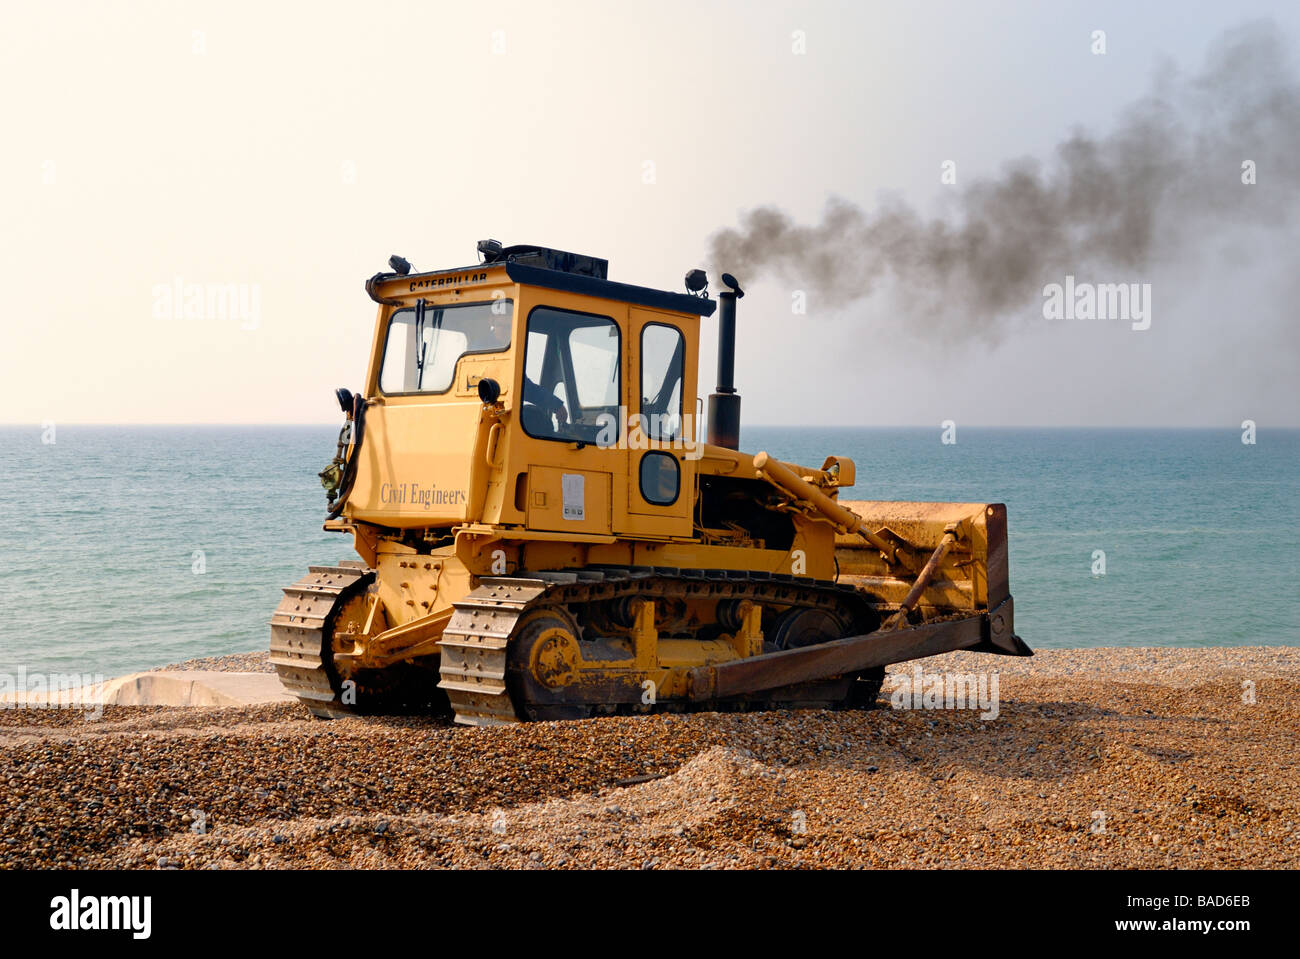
592 426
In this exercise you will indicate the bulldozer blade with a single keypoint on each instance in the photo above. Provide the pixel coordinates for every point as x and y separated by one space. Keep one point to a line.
850 655
972 575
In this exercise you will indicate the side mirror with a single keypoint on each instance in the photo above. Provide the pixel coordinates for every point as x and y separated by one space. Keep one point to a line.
489 390
346 400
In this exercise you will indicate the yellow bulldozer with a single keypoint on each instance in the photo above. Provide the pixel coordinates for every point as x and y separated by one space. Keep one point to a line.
542 534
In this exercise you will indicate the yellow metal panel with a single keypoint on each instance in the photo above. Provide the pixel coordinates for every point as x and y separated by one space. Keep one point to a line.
415 467
568 500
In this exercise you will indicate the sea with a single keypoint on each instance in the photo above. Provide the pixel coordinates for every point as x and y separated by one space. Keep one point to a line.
125 548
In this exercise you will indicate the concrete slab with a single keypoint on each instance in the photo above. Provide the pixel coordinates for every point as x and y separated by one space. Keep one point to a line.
170 688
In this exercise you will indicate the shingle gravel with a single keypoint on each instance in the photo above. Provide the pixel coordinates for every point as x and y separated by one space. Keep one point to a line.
1120 758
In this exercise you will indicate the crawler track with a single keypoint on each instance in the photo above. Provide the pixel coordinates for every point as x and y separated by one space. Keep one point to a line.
300 634
474 649
475 659
476 646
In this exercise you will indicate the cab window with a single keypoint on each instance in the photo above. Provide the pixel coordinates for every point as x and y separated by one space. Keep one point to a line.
571 375
663 367
424 343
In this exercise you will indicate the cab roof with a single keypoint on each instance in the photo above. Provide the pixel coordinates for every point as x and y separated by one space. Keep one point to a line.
610 290
532 275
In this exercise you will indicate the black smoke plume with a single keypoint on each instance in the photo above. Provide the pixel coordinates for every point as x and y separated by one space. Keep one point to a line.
1168 175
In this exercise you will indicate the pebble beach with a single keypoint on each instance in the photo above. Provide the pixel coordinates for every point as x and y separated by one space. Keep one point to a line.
1101 758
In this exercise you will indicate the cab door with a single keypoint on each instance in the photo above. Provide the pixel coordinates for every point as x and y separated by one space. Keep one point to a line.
571 395
661 428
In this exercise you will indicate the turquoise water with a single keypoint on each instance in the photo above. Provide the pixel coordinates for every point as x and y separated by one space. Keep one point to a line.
101 528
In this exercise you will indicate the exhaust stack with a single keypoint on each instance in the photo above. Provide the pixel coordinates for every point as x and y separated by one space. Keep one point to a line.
724 403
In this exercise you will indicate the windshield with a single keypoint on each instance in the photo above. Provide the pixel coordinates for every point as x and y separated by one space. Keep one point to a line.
425 343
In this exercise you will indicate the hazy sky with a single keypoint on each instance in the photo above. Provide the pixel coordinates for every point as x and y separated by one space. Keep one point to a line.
288 149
